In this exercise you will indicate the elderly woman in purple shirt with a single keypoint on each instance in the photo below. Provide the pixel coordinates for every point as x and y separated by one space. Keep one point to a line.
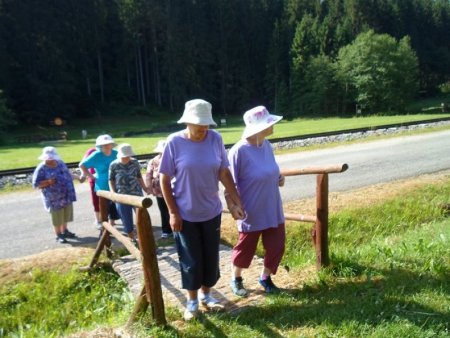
54 180
257 177
193 162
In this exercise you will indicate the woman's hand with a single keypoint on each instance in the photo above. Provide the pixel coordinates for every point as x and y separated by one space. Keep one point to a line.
176 223
46 183
237 212
280 180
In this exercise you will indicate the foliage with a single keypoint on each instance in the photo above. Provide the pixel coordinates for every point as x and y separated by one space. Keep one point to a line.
7 117
74 59
382 74
50 303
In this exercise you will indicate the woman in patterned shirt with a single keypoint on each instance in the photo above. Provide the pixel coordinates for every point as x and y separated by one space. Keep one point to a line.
125 178
58 193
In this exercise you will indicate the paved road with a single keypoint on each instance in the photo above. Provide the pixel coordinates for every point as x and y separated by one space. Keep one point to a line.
26 229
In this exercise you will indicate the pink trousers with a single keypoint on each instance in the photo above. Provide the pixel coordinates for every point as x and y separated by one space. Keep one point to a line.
273 240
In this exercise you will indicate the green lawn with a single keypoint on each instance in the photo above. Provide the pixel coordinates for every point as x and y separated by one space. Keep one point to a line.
25 155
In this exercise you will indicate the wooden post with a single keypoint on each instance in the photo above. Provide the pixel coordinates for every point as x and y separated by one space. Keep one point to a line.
104 211
321 232
152 280
140 307
98 250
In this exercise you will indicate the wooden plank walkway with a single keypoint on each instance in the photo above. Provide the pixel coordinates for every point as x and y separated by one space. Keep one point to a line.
131 271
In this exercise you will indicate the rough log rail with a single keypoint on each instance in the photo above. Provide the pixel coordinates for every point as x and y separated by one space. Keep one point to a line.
151 292
319 232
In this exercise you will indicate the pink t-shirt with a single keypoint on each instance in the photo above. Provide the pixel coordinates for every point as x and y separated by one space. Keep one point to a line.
194 168
256 175
91 170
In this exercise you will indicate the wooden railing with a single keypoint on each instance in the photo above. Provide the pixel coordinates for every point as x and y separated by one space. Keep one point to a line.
151 292
319 232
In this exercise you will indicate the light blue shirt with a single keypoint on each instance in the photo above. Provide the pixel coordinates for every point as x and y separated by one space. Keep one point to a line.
100 162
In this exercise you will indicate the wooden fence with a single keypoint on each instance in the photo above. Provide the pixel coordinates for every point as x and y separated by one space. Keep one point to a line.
319 232
151 292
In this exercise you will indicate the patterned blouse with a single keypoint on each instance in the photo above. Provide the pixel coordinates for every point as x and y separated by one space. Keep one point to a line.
153 175
126 177
62 192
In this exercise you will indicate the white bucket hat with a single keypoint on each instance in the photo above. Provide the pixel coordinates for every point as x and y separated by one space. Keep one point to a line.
49 153
125 150
104 140
198 112
160 146
257 119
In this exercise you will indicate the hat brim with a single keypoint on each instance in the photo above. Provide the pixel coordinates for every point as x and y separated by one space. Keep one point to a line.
119 155
114 144
199 122
253 130
46 158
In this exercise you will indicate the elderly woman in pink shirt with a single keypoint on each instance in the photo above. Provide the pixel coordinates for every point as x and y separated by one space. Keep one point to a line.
257 177
193 162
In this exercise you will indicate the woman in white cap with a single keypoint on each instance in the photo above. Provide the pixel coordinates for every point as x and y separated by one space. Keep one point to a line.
125 178
58 193
257 177
193 162
154 188
100 161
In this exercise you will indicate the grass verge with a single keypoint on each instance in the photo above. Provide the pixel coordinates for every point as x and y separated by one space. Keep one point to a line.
25 155
50 303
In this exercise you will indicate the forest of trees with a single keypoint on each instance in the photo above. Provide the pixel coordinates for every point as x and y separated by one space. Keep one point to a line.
73 58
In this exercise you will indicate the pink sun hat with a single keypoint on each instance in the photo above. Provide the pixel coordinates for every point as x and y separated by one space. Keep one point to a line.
257 119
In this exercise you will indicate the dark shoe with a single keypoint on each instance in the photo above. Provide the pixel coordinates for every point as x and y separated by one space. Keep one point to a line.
268 285
238 287
68 234
61 239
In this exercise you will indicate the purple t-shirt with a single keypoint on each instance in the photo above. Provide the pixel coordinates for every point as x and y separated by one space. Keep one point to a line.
194 168
256 175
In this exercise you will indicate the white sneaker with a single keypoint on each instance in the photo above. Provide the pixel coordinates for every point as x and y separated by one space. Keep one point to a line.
210 302
191 311
98 225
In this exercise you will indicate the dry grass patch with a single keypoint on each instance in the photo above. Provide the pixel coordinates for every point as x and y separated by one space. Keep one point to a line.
62 260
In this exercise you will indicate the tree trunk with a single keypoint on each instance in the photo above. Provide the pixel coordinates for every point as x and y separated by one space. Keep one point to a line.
136 65
141 76
100 76
156 75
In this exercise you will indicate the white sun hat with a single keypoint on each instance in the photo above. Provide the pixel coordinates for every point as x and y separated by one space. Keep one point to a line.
198 112
49 153
125 150
103 140
257 119
160 146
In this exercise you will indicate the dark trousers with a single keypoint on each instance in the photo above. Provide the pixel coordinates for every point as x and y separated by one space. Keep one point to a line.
198 253
165 224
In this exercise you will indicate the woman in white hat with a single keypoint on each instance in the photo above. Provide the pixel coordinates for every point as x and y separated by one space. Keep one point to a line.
257 177
193 162
100 161
154 188
58 193
125 178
